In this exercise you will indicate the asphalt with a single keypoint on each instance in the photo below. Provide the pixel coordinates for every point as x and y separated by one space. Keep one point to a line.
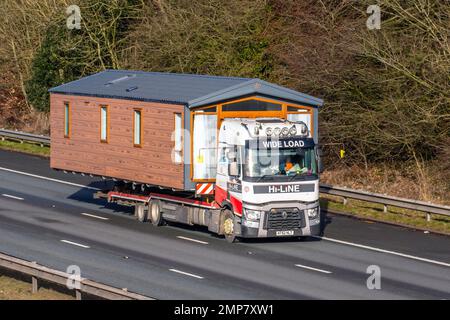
44 214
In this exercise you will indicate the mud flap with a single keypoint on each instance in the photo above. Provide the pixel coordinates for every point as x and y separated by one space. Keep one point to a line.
214 220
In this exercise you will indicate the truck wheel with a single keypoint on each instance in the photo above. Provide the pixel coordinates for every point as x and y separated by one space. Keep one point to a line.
228 226
140 213
155 213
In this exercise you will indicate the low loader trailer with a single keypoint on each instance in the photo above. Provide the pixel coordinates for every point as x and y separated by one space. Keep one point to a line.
239 156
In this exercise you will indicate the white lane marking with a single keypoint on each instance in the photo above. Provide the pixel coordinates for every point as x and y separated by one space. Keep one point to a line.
94 216
75 244
12 197
49 179
193 240
313 269
386 251
186 273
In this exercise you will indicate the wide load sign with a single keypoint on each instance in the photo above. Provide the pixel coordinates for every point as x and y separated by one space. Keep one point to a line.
282 143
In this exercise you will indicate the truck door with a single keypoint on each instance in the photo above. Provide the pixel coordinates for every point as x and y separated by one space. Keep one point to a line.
228 180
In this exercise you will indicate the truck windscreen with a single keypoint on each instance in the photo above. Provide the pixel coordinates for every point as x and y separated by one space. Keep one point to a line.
278 161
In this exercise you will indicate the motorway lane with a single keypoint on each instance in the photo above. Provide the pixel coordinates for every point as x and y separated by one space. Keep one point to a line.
36 232
33 228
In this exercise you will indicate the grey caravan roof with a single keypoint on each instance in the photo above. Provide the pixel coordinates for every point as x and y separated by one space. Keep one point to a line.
176 88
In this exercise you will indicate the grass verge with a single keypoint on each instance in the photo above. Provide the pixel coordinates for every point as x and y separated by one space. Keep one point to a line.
25 148
13 289
410 218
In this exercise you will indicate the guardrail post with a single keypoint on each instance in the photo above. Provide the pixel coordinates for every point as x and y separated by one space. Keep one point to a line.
428 217
34 285
385 208
78 294
345 200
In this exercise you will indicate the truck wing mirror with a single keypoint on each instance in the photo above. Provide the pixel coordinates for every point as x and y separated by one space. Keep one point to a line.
233 169
320 165
319 153
231 155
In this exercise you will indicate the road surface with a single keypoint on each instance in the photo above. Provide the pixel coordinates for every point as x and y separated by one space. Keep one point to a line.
49 217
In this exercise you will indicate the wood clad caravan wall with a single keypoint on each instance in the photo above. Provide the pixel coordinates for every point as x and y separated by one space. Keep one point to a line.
83 150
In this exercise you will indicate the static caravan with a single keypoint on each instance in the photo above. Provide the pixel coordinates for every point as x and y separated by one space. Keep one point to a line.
133 125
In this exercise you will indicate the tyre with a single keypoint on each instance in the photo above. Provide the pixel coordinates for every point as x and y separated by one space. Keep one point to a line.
155 213
140 212
227 226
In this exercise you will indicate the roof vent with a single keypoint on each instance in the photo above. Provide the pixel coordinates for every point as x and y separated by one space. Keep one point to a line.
132 88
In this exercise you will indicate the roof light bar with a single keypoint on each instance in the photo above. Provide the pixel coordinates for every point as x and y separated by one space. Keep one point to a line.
285 131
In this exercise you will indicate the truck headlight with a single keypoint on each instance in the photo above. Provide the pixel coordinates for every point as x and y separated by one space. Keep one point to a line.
276 131
251 224
293 131
254 215
312 213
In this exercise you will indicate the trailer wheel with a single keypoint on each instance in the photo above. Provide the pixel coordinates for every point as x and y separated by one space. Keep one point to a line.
155 213
228 226
140 213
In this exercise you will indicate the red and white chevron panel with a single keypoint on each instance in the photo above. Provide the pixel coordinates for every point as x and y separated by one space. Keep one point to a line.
204 188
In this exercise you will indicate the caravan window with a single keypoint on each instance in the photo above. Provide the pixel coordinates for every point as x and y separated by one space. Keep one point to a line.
178 138
137 130
300 114
204 146
104 123
66 120
252 105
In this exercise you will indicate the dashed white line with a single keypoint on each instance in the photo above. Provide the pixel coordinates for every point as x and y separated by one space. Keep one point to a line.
12 197
385 251
94 216
49 179
313 269
186 273
75 244
193 240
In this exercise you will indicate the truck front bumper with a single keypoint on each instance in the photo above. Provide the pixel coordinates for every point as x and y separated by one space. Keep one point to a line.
247 232
260 229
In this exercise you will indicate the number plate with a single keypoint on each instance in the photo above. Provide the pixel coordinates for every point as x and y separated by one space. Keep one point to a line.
285 233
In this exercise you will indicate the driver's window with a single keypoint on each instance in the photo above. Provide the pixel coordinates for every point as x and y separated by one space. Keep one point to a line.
222 167
228 155
239 150
233 156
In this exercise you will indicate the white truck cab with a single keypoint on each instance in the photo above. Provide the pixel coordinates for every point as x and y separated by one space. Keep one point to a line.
267 174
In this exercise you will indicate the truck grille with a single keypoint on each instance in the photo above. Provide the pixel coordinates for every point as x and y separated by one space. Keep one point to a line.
284 224
284 219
